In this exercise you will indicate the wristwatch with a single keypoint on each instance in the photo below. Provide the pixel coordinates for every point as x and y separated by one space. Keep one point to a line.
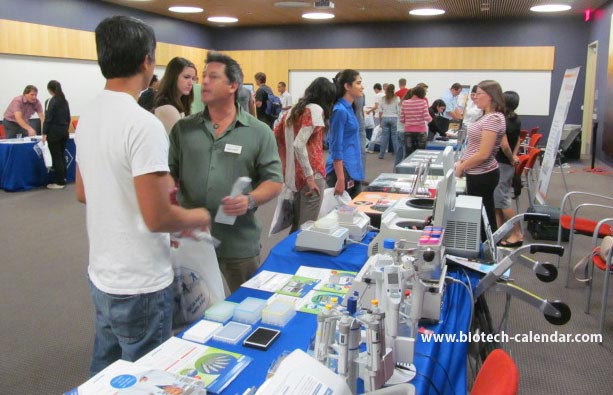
251 201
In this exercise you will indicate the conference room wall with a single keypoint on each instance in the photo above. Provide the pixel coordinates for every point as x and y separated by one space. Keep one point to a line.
569 36
86 14
600 32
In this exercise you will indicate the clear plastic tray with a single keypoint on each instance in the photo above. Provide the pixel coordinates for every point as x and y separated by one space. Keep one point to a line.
232 332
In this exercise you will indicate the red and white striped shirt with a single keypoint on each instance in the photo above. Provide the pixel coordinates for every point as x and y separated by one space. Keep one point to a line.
415 115
493 122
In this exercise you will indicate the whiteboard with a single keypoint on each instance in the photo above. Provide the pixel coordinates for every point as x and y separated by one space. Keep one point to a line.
81 79
533 87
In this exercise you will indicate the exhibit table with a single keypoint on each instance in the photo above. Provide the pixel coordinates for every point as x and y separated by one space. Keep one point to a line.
441 366
22 168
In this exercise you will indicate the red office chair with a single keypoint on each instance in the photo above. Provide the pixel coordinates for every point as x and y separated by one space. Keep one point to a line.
534 130
532 155
74 123
600 258
534 139
573 223
2 134
497 376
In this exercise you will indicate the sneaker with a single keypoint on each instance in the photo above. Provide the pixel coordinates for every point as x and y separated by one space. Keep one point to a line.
369 151
56 186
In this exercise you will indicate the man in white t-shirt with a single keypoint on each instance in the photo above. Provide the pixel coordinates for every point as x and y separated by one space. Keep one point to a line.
123 177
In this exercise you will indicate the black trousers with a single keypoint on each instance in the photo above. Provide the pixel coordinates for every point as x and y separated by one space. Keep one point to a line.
57 146
355 189
483 185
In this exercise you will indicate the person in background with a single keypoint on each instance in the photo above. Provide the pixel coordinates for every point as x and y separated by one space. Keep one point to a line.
261 96
472 112
174 99
122 178
484 137
415 116
55 131
389 116
452 111
375 110
439 125
20 110
210 150
286 98
245 100
300 140
344 170
148 95
507 160
402 88
358 107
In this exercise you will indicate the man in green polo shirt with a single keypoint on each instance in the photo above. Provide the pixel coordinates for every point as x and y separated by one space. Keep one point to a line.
210 150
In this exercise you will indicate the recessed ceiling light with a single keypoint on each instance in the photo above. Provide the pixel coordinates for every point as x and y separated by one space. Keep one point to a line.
426 11
550 8
318 15
222 19
185 10
292 4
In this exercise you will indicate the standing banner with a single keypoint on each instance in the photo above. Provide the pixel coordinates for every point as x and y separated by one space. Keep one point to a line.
555 134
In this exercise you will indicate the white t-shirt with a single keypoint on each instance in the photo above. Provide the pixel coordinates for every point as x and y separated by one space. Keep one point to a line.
286 99
116 141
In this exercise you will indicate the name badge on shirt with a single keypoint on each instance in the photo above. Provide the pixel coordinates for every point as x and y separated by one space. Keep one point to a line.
233 149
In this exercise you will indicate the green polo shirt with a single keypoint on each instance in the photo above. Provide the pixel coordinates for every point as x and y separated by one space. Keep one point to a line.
207 167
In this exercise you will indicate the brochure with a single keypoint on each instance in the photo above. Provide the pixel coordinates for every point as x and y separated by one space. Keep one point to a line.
214 367
298 286
267 281
331 280
316 301
128 378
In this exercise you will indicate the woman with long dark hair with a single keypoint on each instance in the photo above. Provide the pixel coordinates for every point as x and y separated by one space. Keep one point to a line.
439 124
300 140
484 137
175 95
55 132
344 165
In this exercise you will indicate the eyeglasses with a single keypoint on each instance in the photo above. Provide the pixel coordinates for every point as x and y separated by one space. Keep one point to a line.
480 93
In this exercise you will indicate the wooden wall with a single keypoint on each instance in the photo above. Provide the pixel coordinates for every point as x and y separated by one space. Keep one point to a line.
22 38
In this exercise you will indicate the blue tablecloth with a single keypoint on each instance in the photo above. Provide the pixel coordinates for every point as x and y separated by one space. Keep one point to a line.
441 366
439 145
22 169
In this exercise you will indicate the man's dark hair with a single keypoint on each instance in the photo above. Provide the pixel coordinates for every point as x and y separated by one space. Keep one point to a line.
260 77
233 69
402 82
377 86
283 84
122 44
456 86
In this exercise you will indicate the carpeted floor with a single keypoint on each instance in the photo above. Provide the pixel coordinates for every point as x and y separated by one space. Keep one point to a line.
46 315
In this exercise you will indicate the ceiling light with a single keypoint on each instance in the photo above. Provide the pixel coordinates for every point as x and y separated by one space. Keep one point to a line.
222 19
185 10
318 15
427 11
292 4
550 8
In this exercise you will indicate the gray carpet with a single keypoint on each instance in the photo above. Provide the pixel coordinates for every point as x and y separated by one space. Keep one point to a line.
46 314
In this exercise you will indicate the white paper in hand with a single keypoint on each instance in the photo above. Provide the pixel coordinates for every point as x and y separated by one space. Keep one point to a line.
239 186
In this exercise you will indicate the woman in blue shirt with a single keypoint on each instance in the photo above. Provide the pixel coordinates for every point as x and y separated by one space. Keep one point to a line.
344 170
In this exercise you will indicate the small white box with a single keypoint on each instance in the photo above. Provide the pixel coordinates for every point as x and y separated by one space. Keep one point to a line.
202 331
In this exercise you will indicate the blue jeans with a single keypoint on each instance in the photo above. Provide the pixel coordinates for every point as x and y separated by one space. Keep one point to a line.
129 326
388 127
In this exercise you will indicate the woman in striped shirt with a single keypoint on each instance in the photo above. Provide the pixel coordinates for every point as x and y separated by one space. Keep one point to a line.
484 136
415 117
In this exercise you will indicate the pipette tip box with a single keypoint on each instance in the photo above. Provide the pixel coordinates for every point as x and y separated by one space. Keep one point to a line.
278 313
220 311
202 331
249 310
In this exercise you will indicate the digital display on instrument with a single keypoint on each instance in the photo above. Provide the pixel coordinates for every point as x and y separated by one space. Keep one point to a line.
392 278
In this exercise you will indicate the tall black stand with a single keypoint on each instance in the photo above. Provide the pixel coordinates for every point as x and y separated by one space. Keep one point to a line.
594 127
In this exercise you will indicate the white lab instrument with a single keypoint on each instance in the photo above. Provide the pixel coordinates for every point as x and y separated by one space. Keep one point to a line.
324 235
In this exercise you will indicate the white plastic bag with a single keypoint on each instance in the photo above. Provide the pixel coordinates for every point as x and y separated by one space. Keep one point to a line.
375 138
46 154
198 283
284 212
330 201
